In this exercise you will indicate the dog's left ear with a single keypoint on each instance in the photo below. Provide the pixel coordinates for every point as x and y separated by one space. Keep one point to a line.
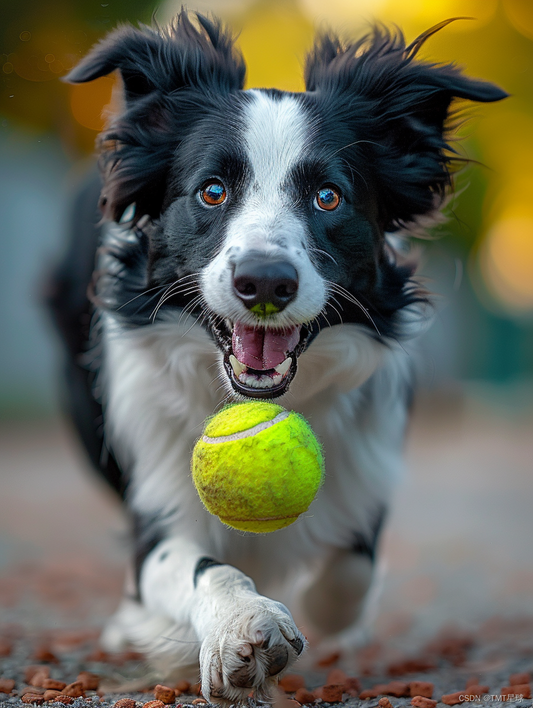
398 108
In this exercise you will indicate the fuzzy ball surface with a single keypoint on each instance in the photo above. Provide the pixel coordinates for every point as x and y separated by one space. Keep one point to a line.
257 466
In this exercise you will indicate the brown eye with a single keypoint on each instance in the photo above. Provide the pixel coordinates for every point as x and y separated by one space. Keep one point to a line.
327 199
213 193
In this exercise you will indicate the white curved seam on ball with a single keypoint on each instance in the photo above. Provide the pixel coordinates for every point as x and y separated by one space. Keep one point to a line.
247 433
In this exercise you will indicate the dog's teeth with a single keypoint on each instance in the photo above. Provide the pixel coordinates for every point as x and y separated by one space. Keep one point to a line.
284 366
236 365
276 379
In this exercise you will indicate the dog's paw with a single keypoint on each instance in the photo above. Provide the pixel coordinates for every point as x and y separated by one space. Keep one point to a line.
248 651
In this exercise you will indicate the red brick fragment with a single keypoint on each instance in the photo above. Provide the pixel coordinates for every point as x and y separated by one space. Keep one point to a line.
98 655
6 685
198 701
410 666
53 684
35 698
336 676
196 689
89 681
32 689
384 702
164 694
396 688
74 689
125 703
421 688
30 672
182 687
332 692
329 660
352 685
452 699
373 692
154 704
5 647
43 653
304 696
50 694
423 702
290 683
62 698
476 690
519 689
519 679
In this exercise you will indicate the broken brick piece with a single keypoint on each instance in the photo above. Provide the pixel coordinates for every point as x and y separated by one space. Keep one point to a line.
421 688
182 687
74 689
125 703
336 676
384 702
6 685
304 696
452 699
30 671
154 704
328 660
5 647
50 694
43 653
89 681
476 690
519 679
62 698
290 683
164 694
520 689
397 689
52 684
423 702
35 698
332 692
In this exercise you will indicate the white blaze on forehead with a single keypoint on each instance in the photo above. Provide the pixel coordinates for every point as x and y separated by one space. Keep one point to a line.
275 136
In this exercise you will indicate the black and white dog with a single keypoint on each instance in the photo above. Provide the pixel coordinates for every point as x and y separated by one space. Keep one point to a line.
245 253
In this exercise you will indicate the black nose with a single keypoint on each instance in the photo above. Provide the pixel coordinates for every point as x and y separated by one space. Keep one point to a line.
265 286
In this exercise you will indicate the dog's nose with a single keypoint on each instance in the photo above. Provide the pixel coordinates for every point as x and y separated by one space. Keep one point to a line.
265 286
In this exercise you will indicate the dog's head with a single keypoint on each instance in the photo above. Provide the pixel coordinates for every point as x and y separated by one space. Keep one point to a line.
269 210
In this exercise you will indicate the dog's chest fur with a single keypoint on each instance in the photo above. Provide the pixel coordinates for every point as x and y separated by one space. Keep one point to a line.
163 382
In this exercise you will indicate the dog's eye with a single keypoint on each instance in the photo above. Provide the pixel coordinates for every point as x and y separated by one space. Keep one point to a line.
213 193
327 199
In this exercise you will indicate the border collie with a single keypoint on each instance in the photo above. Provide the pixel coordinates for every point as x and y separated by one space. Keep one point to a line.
250 248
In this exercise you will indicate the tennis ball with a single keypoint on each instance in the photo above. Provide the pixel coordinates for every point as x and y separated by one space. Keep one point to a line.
257 466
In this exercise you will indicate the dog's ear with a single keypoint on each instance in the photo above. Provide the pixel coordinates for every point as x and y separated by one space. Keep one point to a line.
164 60
165 74
399 109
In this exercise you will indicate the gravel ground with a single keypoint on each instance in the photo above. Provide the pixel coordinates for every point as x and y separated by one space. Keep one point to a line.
456 562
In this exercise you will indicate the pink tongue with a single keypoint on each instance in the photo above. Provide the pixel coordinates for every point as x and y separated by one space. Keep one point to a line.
261 348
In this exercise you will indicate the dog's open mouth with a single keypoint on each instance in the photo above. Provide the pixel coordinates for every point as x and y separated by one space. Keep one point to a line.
260 361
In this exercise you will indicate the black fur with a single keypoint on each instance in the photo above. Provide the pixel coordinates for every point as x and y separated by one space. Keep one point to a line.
380 120
203 564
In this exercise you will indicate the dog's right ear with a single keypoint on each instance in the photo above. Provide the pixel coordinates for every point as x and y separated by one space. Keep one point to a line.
165 60
159 69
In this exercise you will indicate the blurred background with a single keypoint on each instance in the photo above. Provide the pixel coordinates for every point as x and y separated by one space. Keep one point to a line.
458 544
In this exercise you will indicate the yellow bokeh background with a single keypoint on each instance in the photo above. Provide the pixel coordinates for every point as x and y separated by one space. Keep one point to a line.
496 44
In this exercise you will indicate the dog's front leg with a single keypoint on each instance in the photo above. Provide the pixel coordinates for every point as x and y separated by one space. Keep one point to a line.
246 639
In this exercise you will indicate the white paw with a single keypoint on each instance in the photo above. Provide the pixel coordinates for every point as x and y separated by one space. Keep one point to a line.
248 651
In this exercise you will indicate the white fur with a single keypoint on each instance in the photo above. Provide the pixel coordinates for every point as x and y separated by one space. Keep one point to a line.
275 140
161 384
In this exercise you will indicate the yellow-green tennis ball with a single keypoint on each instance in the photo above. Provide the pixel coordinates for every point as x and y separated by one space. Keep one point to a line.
257 466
